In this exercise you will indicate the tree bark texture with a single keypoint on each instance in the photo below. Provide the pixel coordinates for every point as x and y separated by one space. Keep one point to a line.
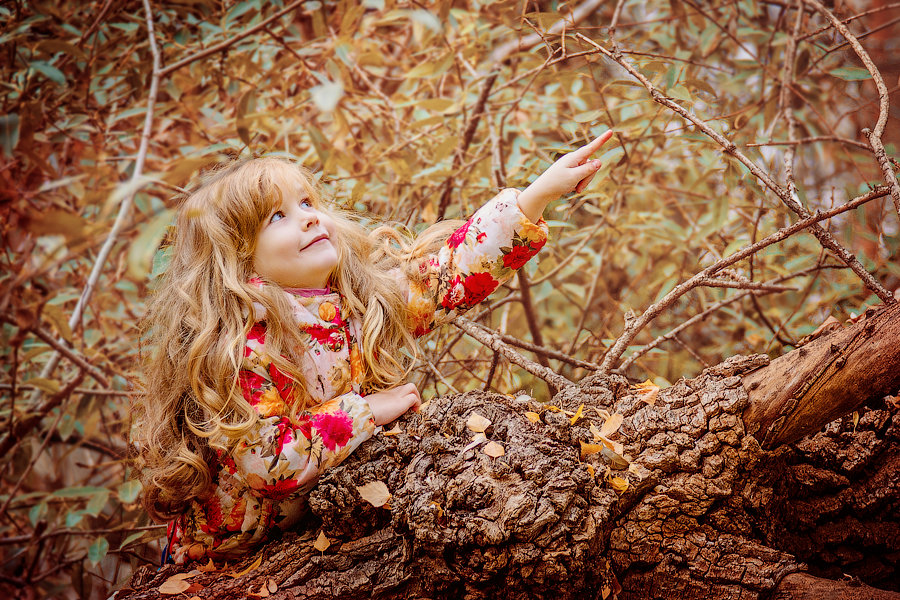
707 512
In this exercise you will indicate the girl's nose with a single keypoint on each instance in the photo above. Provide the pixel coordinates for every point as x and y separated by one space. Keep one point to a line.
308 218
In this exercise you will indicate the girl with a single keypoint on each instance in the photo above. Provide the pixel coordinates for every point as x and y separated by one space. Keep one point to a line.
277 335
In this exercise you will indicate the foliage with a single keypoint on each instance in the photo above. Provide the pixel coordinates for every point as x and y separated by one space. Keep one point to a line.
410 112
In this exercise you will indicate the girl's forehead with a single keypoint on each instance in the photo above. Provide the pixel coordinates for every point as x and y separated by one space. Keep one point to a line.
290 187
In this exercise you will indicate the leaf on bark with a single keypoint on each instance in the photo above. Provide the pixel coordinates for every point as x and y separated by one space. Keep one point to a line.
648 391
494 450
478 423
322 542
375 493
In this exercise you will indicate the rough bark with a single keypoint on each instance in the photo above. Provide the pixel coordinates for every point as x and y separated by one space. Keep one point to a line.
707 513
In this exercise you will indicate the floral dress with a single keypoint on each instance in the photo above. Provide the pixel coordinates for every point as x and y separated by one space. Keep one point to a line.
262 485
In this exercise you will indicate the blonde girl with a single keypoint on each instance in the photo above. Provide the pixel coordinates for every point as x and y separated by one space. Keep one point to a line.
277 334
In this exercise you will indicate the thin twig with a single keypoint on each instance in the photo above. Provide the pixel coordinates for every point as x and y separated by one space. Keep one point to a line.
825 238
494 342
127 201
874 135
229 42
635 325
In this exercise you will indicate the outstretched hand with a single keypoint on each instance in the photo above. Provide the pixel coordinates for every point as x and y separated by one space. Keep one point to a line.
571 173
389 404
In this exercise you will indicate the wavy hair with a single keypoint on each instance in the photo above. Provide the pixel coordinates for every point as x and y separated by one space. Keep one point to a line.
200 312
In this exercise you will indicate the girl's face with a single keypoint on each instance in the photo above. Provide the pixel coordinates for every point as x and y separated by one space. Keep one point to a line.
295 246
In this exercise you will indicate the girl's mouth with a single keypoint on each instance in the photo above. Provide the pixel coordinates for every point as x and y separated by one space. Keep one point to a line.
316 240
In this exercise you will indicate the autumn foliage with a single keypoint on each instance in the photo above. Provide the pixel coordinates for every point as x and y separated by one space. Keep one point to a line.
733 120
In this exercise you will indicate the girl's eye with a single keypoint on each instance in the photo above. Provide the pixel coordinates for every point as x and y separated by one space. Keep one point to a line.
307 203
276 216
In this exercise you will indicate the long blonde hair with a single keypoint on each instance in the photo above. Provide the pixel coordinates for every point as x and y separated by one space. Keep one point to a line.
200 312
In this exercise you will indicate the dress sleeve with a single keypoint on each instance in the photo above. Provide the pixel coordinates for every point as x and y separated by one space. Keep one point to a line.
486 251
280 455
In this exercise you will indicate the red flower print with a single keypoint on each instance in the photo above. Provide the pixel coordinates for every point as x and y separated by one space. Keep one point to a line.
459 236
335 429
330 338
282 382
214 517
517 257
454 295
281 489
305 428
252 385
480 237
478 287
538 245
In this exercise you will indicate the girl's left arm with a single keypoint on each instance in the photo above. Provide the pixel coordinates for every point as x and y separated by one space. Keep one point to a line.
494 243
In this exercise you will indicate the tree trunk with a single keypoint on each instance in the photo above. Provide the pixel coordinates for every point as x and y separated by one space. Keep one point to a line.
707 513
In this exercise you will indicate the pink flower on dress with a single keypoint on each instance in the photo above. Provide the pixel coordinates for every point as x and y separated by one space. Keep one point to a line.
252 385
459 236
335 428
517 256
454 295
478 287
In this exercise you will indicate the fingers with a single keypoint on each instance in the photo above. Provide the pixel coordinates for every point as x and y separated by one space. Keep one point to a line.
584 183
585 151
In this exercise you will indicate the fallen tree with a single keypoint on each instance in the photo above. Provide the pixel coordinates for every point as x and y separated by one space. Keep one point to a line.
738 483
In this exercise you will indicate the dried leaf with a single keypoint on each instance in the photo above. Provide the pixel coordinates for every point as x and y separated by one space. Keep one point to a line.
440 509
393 431
322 542
648 391
477 423
578 415
590 469
533 416
855 420
588 449
375 493
620 484
175 584
263 592
494 450
611 425
272 586
253 566
208 567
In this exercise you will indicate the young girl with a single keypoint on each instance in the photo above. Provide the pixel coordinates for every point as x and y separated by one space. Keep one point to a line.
277 335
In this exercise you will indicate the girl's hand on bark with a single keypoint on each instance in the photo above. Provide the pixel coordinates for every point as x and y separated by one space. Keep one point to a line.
571 173
389 404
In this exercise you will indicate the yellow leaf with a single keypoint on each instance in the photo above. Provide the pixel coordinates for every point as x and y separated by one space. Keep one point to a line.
322 542
393 431
493 449
590 469
588 449
611 425
533 416
477 423
619 484
208 567
440 510
375 493
648 391
578 414
176 584
855 420
253 566
273 587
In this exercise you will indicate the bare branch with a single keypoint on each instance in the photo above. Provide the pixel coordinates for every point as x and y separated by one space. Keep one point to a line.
127 201
874 135
825 238
633 326
494 342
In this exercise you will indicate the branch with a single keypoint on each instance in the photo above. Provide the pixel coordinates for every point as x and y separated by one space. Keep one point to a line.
633 326
825 238
883 103
229 42
125 207
494 342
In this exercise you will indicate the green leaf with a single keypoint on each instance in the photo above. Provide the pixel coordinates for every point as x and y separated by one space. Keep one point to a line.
128 491
9 133
851 73
246 105
37 512
145 248
134 536
96 503
78 492
98 550
74 518
48 71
